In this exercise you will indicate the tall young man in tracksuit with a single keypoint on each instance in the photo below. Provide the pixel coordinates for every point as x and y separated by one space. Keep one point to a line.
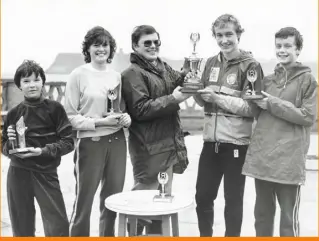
227 128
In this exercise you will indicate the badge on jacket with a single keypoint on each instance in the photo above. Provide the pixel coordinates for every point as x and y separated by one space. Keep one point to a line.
213 77
231 79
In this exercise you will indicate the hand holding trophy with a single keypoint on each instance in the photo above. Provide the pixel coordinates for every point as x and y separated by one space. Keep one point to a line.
192 63
163 196
252 87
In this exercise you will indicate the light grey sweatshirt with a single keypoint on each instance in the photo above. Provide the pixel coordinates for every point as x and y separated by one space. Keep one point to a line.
86 99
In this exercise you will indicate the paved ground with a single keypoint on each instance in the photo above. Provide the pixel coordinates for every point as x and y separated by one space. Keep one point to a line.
186 183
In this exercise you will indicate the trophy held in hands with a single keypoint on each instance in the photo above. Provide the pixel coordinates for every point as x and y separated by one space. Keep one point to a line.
112 95
252 87
163 196
192 63
19 145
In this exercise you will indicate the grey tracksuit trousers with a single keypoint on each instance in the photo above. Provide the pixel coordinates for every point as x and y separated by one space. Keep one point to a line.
265 208
97 160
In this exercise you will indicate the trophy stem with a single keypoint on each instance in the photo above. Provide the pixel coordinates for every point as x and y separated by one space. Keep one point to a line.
112 108
253 89
163 191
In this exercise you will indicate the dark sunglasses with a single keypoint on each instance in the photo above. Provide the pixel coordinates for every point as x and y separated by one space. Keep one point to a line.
148 43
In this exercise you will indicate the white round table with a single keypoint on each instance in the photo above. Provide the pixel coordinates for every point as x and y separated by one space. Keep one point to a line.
140 204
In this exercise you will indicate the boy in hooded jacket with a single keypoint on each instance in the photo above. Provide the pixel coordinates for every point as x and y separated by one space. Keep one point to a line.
277 154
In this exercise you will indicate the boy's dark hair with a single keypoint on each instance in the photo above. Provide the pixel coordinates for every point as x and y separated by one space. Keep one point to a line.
142 30
98 35
26 69
225 19
291 31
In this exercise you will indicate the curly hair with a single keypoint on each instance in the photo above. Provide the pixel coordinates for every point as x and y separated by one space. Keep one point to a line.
291 31
26 69
98 35
225 19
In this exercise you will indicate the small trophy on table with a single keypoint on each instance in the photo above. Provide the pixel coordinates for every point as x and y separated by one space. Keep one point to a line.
163 196
192 63
252 86
19 145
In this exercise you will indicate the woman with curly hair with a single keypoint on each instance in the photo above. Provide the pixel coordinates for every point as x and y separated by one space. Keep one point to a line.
100 152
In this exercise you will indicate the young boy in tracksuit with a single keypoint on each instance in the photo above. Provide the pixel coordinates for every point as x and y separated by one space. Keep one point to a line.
227 127
277 154
33 174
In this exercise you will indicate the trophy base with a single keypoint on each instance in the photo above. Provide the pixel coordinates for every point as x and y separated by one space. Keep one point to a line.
116 114
166 199
191 88
19 150
253 97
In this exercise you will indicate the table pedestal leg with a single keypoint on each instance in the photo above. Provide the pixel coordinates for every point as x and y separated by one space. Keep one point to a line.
175 229
166 226
133 226
122 225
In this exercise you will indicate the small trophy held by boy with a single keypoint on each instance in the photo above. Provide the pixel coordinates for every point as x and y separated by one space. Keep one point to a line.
19 145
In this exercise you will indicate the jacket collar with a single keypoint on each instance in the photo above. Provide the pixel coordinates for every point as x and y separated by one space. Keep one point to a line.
138 59
290 73
244 55
33 102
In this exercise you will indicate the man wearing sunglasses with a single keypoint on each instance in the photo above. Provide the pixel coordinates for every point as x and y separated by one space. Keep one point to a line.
151 90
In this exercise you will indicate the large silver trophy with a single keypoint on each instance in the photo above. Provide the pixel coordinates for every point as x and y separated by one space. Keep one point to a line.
19 145
163 196
253 85
192 63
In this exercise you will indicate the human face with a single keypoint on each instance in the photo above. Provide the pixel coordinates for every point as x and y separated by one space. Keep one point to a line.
99 53
31 86
148 52
227 38
286 50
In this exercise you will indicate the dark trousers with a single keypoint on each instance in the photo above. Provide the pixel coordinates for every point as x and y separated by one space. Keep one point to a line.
22 187
265 208
97 160
219 160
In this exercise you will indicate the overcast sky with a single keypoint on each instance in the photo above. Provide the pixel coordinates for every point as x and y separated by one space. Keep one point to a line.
40 29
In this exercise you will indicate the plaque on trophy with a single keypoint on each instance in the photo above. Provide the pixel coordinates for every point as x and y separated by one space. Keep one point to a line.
163 196
192 64
19 145
252 87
